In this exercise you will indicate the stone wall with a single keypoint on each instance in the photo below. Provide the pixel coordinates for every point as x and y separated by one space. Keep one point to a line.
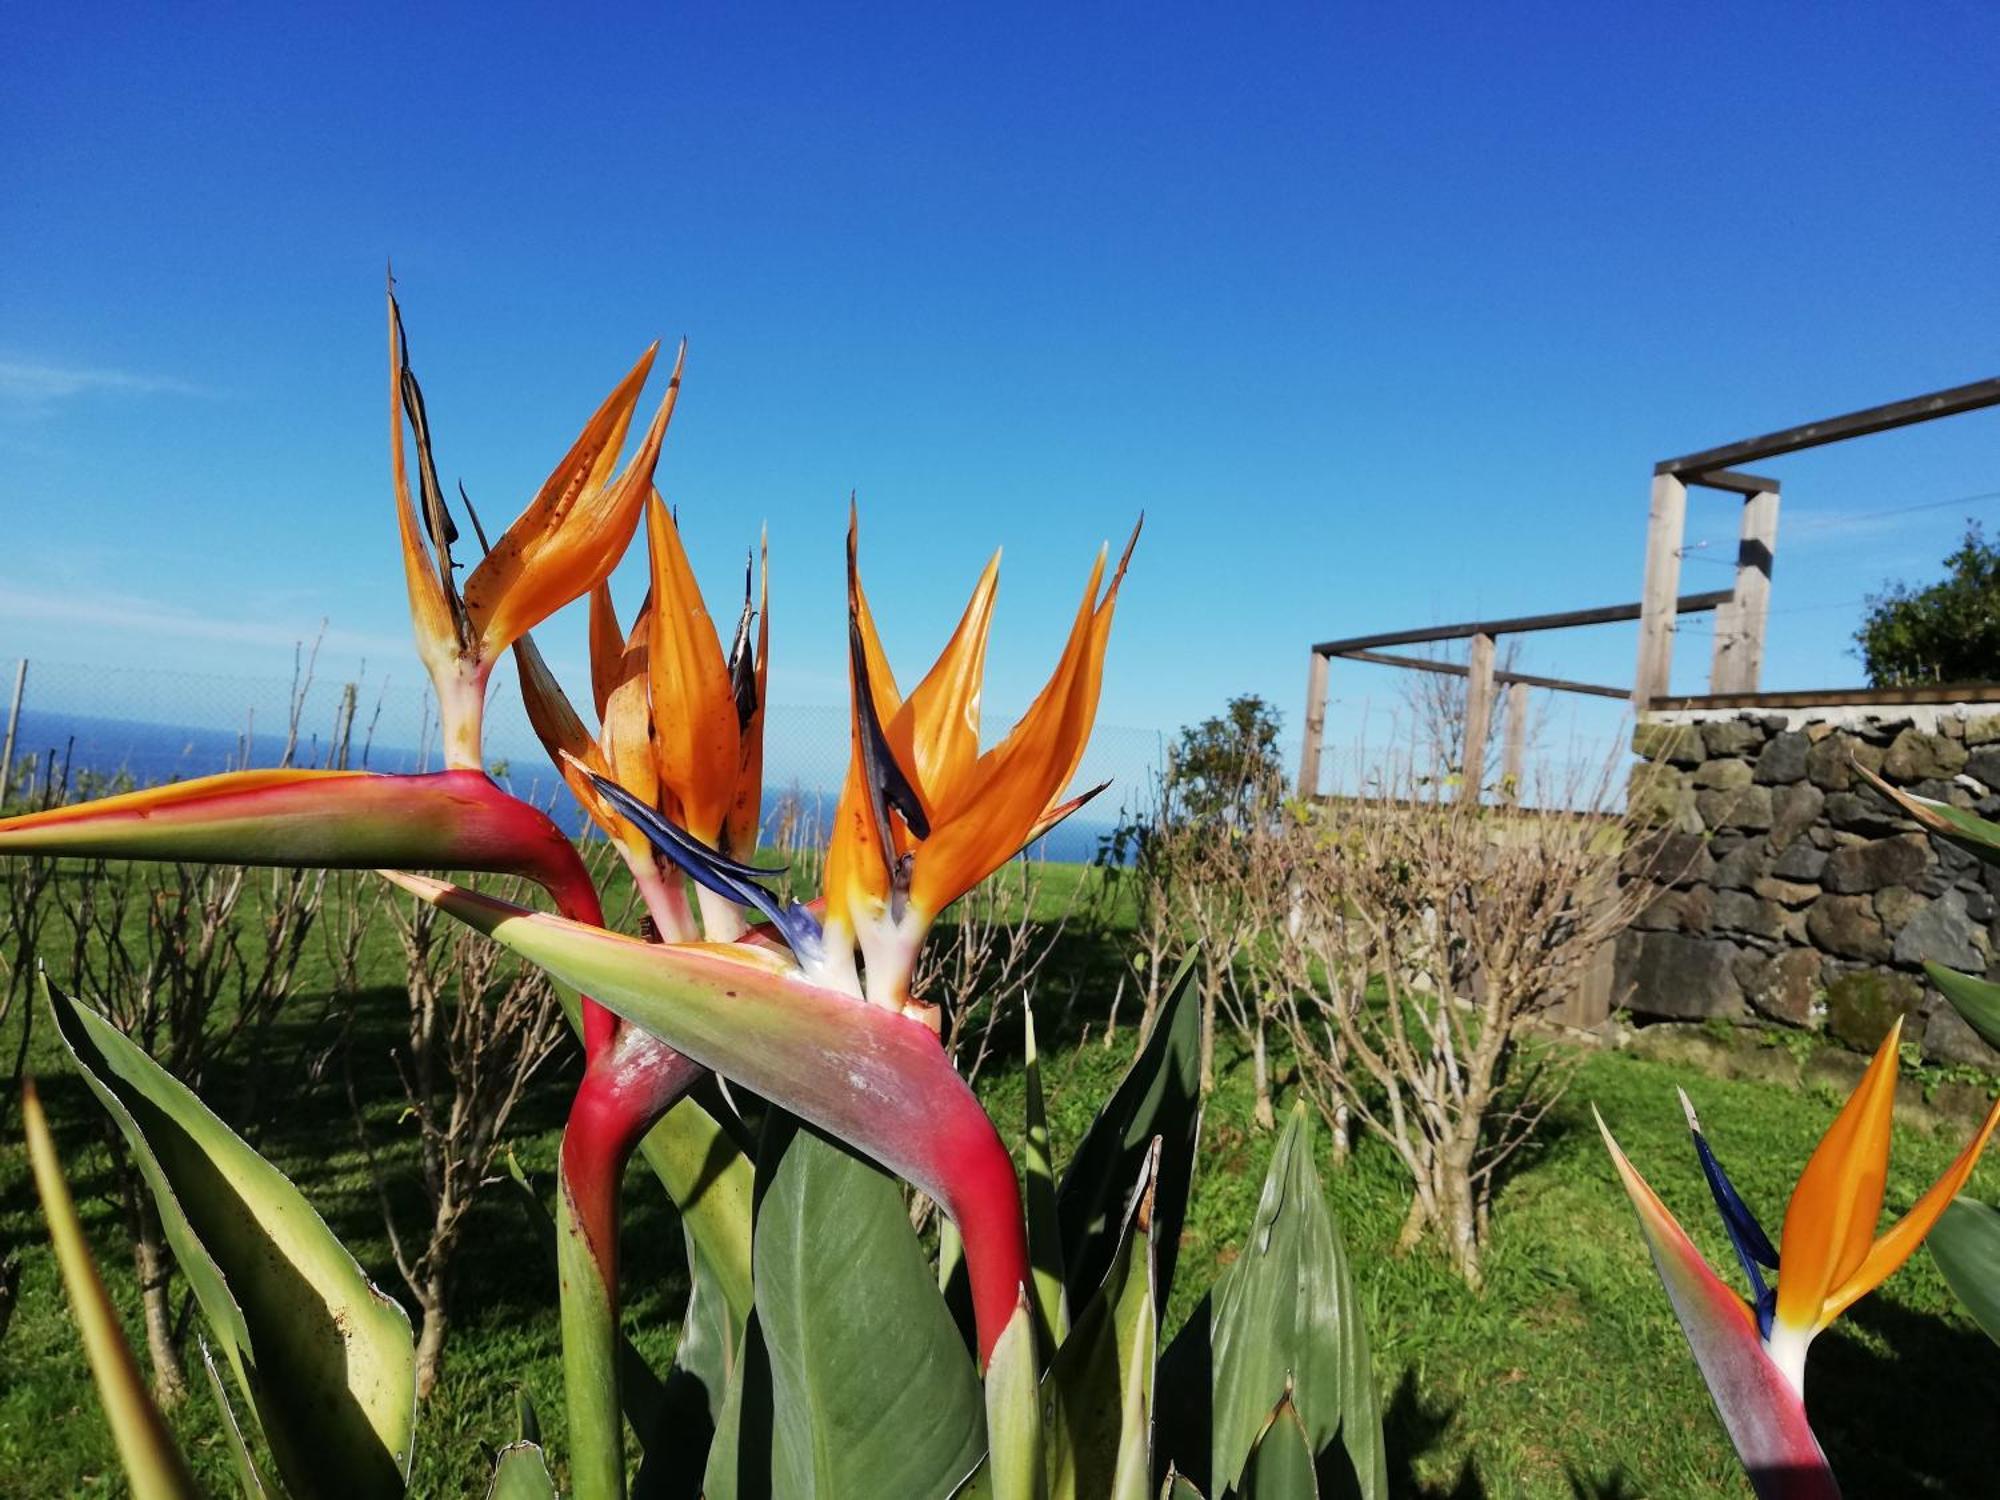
1794 893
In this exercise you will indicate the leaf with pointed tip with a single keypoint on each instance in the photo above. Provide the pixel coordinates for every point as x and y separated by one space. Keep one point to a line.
153 1464
1160 1095
739 1459
1045 1251
247 1476
1099 1391
1283 1316
1281 1463
1966 1246
1178 1486
1013 1463
521 1473
325 1358
872 1389
1970 832
1976 1000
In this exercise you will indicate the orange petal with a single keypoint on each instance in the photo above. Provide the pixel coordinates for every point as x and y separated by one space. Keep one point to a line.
696 739
1012 786
1903 1237
430 613
856 878
571 536
607 646
1830 1221
937 732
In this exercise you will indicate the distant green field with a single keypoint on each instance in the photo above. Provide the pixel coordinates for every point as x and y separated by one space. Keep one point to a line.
1566 1376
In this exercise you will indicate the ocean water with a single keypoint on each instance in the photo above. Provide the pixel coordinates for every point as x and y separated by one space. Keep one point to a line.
151 753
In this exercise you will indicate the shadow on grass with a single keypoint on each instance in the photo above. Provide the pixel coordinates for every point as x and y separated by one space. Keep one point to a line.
1413 1427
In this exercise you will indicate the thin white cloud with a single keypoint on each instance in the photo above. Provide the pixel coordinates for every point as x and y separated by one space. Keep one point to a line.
32 382
128 613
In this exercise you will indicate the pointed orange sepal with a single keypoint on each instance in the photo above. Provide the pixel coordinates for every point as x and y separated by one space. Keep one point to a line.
696 738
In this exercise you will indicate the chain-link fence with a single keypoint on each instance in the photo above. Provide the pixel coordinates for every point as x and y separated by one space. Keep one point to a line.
99 724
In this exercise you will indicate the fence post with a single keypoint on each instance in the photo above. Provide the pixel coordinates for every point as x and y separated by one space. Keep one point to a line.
1666 522
1315 731
1514 749
13 724
1478 716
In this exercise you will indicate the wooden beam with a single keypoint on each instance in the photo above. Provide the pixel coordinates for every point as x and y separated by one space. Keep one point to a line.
1891 697
1756 550
1514 748
1478 716
1950 403
1315 732
1609 614
1727 648
1459 669
1734 483
1666 522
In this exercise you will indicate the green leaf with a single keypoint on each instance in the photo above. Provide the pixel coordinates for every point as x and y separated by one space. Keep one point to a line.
1284 1317
521 1473
1160 1095
1013 1464
152 1462
325 1358
739 1459
1178 1486
1965 1243
247 1476
696 1391
1975 999
1045 1250
1281 1463
872 1390
1971 833
1099 1391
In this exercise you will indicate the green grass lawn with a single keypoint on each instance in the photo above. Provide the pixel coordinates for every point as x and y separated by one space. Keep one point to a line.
1567 1375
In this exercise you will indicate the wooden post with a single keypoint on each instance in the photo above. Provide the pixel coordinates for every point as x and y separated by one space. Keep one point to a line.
1739 624
1315 732
1514 748
1666 522
1728 648
13 724
1478 715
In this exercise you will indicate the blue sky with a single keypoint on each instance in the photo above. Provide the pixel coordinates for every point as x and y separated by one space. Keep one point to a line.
1381 318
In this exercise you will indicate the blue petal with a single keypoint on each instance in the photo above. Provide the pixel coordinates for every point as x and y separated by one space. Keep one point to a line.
1746 1236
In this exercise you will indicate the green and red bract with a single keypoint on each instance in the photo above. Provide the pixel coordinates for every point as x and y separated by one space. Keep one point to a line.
874 1078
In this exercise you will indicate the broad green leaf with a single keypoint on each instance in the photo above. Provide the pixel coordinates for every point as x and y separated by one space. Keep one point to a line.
1284 1315
1281 1463
872 1390
153 1464
1099 1392
1965 1243
1160 1095
1045 1250
1013 1464
325 1358
640 1391
696 1391
1178 1487
739 1459
521 1473
247 1476
1975 999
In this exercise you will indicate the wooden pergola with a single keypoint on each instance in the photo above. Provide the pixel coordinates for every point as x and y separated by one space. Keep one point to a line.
1741 610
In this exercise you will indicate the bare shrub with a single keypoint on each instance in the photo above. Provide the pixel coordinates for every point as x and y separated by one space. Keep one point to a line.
480 1025
1430 936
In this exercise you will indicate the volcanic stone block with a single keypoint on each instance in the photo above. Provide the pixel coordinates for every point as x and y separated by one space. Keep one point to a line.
1799 861
1677 911
1748 809
1864 813
1783 986
1739 868
1676 744
1942 932
1669 857
1984 765
1783 761
1786 892
1739 911
1721 775
1949 1041
1660 795
1895 905
1848 926
1983 729
1861 1007
1879 862
1677 977
1727 737
1830 763
1916 756
1794 809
